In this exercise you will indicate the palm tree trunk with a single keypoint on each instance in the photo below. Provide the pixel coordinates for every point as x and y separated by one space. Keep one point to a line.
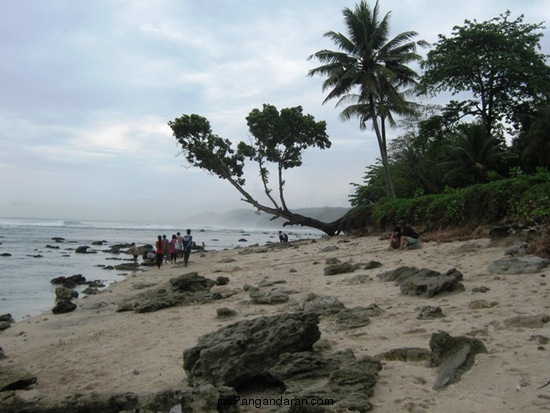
381 137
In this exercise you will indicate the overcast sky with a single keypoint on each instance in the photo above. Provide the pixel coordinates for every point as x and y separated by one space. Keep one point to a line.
87 89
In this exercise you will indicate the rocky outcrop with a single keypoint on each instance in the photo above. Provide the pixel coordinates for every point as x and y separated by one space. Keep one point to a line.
254 346
186 289
18 402
518 265
62 293
274 355
5 321
63 306
453 356
424 282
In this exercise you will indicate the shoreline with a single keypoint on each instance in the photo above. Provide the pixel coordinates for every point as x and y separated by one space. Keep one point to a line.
98 350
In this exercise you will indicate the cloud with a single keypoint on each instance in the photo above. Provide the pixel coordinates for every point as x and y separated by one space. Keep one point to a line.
88 89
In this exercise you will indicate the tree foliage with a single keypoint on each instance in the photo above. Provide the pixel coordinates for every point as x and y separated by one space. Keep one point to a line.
369 74
277 139
498 62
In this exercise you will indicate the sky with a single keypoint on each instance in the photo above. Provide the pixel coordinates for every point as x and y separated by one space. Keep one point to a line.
87 89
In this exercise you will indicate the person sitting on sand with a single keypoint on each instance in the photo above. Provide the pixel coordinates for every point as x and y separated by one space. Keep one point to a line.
283 237
408 237
395 239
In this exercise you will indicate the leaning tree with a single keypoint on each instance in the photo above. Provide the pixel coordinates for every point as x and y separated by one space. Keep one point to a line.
278 139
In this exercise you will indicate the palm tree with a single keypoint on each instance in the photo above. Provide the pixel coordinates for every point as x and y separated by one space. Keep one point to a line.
472 156
370 73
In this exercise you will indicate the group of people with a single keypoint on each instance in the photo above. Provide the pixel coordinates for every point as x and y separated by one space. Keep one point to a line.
403 236
169 250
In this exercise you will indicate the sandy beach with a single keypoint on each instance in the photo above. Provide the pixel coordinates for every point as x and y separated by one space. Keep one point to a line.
97 349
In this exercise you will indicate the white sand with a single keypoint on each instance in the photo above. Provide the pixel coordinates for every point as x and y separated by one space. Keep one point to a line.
96 349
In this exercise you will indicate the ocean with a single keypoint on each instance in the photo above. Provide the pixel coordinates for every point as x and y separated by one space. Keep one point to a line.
30 256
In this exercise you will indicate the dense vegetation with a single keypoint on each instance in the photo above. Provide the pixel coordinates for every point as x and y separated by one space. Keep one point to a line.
483 160
521 200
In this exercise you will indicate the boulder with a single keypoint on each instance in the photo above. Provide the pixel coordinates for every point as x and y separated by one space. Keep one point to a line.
15 378
406 354
322 304
518 265
340 377
350 318
186 289
453 356
62 293
274 296
274 357
84 249
63 306
428 312
342 268
424 282
254 346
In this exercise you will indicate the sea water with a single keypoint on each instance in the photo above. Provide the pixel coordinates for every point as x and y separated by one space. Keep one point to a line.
30 256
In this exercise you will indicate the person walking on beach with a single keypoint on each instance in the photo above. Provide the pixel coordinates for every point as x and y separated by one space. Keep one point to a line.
173 249
187 245
160 251
180 245
134 250
166 242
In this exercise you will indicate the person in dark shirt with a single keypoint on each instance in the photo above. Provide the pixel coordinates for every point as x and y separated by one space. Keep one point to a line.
408 236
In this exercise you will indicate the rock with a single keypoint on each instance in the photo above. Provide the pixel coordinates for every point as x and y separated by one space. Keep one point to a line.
127 266
222 280
225 312
15 378
428 312
322 304
349 318
424 282
186 289
254 345
515 265
7 317
78 279
92 402
62 293
481 289
341 377
274 296
480 304
372 264
209 399
517 250
191 282
5 254
90 291
84 249
453 356
413 354
4 325
330 248
527 321
341 268
63 306
58 239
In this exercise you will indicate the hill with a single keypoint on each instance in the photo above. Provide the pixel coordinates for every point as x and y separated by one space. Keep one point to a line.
248 218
